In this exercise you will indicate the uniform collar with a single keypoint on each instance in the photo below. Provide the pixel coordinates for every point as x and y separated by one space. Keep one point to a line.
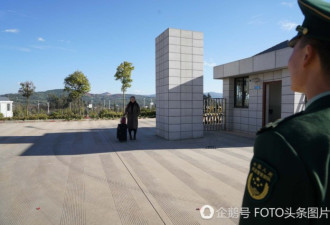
317 97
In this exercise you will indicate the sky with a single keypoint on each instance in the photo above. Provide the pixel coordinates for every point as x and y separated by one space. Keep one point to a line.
46 40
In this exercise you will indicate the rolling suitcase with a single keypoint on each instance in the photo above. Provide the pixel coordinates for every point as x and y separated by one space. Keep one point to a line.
122 130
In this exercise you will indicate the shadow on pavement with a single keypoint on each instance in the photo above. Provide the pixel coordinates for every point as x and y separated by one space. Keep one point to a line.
104 140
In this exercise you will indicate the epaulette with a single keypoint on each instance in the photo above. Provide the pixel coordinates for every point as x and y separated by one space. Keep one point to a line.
272 125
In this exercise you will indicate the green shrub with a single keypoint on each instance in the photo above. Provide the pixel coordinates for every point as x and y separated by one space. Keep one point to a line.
56 115
93 115
107 114
18 118
4 118
72 116
31 117
42 116
148 113
66 115
18 111
69 115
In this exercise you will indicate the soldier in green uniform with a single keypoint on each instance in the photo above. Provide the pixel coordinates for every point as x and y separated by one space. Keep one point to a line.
289 176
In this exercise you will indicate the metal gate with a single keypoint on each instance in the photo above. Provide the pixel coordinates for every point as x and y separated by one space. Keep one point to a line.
214 113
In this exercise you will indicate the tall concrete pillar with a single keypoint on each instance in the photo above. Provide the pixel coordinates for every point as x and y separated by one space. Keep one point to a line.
179 84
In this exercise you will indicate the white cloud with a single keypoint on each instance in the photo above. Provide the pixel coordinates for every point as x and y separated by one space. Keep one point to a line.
46 47
41 39
23 49
11 30
209 64
257 20
289 4
65 41
16 48
39 47
287 25
137 92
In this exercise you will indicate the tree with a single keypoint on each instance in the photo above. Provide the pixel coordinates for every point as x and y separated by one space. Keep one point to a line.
77 85
53 101
124 72
57 102
26 90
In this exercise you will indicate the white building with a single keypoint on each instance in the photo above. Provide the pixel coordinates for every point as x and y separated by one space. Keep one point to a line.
6 107
258 89
179 84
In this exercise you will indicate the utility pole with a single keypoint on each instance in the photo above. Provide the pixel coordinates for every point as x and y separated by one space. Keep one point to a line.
144 102
109 104
38 106
48 107
103 103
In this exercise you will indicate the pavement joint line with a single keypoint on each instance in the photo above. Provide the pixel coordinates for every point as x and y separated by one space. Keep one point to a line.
134 178
155 192
164 200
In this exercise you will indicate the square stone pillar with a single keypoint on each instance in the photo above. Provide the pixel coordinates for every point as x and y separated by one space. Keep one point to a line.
179 84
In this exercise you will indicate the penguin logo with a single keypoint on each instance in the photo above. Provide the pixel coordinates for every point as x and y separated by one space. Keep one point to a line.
207 212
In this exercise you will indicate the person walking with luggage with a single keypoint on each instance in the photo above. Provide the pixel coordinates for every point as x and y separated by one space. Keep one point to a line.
132 111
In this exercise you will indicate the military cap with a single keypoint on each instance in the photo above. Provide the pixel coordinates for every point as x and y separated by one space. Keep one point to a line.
317 20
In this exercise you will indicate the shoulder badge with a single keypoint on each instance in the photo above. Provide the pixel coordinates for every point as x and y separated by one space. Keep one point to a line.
261 179
272 125
267 127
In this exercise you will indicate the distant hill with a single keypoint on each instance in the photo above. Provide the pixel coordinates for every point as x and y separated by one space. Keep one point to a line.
106 93
40 95
214 94
97 99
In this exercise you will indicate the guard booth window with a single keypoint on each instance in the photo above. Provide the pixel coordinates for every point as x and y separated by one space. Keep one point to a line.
241 92
8 107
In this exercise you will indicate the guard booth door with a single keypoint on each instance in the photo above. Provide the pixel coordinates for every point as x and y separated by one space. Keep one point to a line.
272 101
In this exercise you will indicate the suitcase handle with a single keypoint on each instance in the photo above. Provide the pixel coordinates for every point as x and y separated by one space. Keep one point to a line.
123 120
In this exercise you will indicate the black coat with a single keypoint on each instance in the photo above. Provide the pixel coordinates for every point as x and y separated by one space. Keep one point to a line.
132 115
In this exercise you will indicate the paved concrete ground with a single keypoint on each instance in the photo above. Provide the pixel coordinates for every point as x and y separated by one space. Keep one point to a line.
78 173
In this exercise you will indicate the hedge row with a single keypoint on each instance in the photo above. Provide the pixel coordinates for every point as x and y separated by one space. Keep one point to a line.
106 114
103 114
42 116
148 114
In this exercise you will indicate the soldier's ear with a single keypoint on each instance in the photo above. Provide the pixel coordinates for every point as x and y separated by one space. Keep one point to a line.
309 55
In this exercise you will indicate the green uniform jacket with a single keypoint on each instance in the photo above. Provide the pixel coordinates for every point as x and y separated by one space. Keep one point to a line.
289 172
